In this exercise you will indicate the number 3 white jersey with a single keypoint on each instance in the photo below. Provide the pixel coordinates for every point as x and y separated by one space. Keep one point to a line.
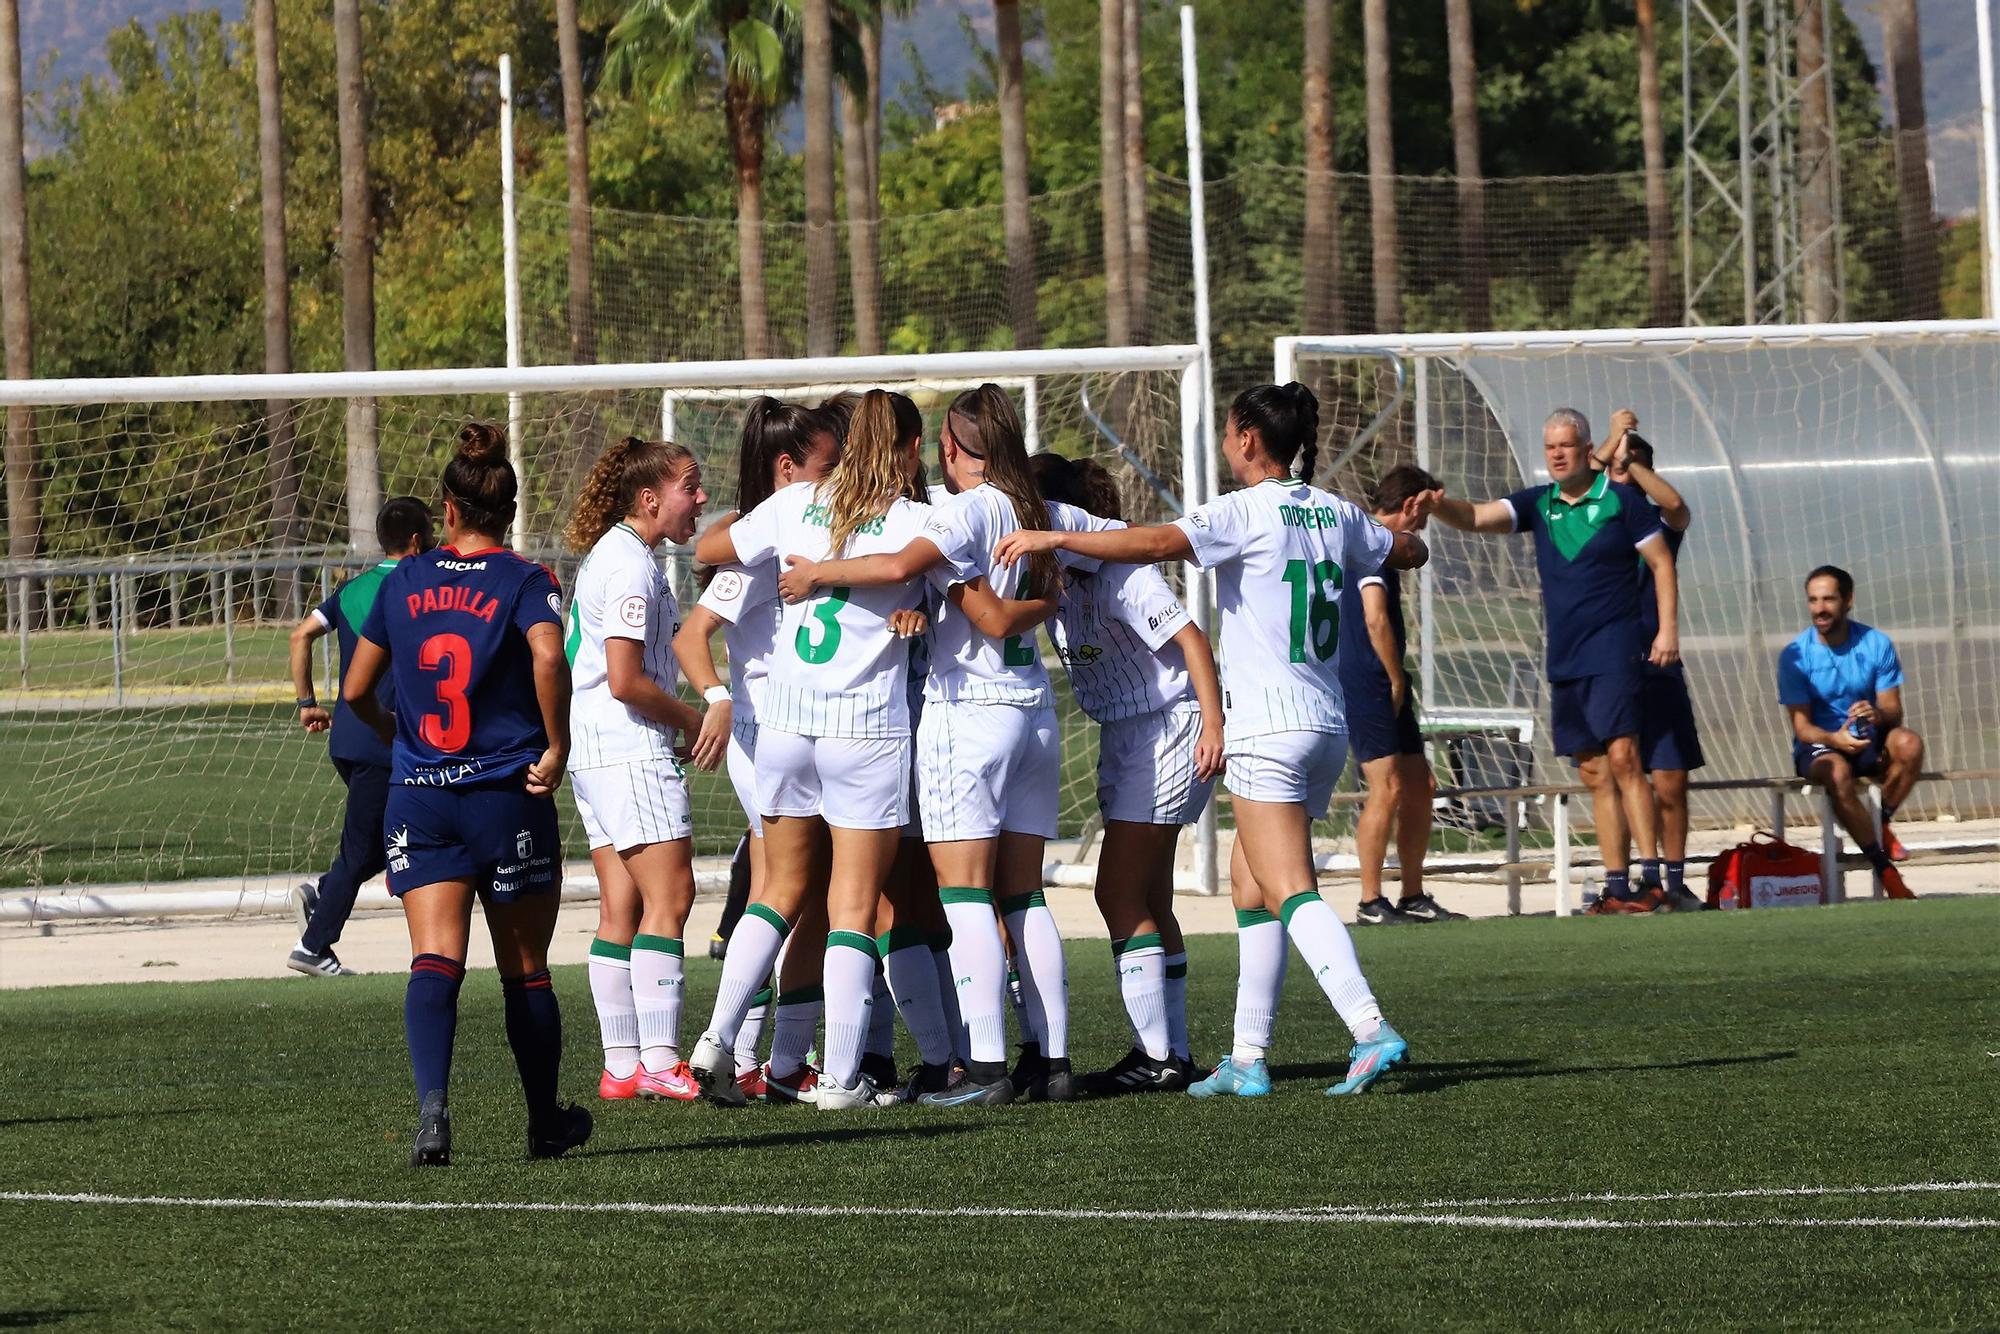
1281 552
622 593
746 598
837 669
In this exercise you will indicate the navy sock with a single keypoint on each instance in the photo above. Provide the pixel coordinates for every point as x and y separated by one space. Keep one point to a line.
430 1019
534 1031
1676 876
1888 812
1617 885
1877 858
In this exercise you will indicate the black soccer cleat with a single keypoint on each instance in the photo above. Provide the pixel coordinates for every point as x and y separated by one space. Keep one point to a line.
1424 908
1048 1079
569 1130
1182 1073
431 1146
881 1069
1136 1072
925 1078
979 1084
1380 912
1682 900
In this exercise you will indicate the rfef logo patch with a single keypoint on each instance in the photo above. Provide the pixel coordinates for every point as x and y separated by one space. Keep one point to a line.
726 587
632 611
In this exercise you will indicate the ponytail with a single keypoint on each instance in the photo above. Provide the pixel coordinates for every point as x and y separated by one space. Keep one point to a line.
772 430
872 471
612 489
1286 419
480 480
985 425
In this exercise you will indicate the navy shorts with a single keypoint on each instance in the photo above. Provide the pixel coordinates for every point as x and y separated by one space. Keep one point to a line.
496 836
1375 729
1587 712
1667 735
1867 764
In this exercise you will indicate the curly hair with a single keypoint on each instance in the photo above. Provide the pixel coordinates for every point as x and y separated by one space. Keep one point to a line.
612 489
872 471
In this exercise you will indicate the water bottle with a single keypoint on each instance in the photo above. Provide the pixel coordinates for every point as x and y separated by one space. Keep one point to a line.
1860 729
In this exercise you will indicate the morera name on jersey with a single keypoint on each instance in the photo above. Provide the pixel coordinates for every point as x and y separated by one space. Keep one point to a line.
1308 516
821 516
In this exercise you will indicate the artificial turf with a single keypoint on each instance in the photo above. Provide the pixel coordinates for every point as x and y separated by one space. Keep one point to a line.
1811 1048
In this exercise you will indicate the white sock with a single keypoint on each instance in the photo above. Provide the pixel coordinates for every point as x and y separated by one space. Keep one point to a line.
1260 976
746 970
657 989
850 1003
881 1019
1329 951
947 982
794 1028
752 1032
1176 997
979 972
1038 954
617 1021
1142 982
913 983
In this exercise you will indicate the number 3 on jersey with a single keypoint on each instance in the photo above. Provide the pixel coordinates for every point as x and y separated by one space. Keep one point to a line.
818 647
450 730
1315 615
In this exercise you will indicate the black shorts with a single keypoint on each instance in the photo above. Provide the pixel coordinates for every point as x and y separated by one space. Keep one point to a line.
1866 764
1668 738
502 840
1376 728
1587 713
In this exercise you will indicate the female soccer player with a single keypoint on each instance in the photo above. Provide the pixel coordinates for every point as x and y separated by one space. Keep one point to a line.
630 791
987 754
1281 550
472 634
1143 670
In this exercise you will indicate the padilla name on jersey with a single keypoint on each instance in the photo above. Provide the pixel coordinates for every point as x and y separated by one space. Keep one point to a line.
837 670
969 665
745 598
621 593
1282 551
1115 634
455 624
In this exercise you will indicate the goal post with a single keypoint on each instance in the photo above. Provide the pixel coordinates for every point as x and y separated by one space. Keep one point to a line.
1867 446
146 717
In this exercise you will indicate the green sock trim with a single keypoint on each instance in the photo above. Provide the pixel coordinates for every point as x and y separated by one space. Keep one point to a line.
1176 970
658 945
1252 917
1294 903
1014 903
939 941
853 940
1149 940
761 998
901 938
1036 899
606 949
759 910
960 894
800 996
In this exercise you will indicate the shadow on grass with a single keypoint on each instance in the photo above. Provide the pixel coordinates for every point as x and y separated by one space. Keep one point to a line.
1436 1078
10 1122
778 1138
1329 1071
54 1315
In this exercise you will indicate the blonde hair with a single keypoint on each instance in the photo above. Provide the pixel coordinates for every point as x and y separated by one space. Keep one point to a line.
871 472
612 489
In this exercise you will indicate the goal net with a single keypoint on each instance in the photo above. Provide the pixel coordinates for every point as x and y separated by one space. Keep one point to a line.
187 525
1867 447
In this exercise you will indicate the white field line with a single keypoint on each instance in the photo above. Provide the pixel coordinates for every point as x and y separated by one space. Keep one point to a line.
1668 1196
1317 1217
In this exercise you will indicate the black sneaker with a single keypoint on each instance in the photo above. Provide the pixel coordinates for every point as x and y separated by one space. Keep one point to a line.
979 1084
1028 1067
1051 1082
432 1145
303 960
1424 908
305 898
570 1130
881 1069
1683 900
1181 1073
924 1079
1135 1073
1380 912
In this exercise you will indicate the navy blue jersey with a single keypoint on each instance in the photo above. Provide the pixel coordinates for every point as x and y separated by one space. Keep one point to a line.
456 629
1584 553
344 613
1361 670
1649 599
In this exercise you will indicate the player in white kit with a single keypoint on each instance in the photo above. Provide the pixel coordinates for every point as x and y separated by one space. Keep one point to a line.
1281 549
630 791
987 750
783 443
1140 667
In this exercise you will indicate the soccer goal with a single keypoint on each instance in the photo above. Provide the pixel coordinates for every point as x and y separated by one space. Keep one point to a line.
188 523
1871 447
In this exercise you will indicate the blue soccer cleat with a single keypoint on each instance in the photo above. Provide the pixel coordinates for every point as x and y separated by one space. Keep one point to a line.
1370 1060
1251 1080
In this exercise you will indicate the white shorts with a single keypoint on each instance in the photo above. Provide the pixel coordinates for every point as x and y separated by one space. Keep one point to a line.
1287 767
742 765
1145 768
987 768
630 805
852 782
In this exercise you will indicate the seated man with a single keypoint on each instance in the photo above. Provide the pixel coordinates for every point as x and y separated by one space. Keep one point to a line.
1842 685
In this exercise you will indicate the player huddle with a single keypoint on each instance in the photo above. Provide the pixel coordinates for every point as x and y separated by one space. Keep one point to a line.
889 726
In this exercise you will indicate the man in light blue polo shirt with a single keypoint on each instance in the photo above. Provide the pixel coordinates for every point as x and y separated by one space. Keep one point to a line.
1842 686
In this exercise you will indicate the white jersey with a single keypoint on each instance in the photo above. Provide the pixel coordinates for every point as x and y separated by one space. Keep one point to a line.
745 598
621 593
1281 551
837 670
966 664
1115 636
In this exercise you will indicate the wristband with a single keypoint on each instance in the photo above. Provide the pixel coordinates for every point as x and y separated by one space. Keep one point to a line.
308 703
715 695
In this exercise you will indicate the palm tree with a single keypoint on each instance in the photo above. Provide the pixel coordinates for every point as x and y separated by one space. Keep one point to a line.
1325 310
1821 302
1381 167
1137 249
659 51
357 270
1652 133
1902 53
864 271
1111 168
1473 272
24 502
822 246
1020 231
576 157
283 466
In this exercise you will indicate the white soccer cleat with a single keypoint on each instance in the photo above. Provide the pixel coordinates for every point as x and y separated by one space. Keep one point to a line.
714 1069
833 1098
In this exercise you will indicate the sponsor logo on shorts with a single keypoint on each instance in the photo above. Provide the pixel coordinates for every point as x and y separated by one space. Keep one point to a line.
399 850
632 611
726 587
524 845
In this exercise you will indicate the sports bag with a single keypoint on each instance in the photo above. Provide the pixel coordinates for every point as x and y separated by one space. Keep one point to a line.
1766 872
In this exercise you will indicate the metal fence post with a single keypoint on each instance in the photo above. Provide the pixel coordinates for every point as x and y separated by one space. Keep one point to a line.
229 626
117 640
1559 826
1830 875
1517 814
27 606
1778 813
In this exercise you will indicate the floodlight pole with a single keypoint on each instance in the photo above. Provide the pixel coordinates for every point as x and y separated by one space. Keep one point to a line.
1989 157
510 266
1198 471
